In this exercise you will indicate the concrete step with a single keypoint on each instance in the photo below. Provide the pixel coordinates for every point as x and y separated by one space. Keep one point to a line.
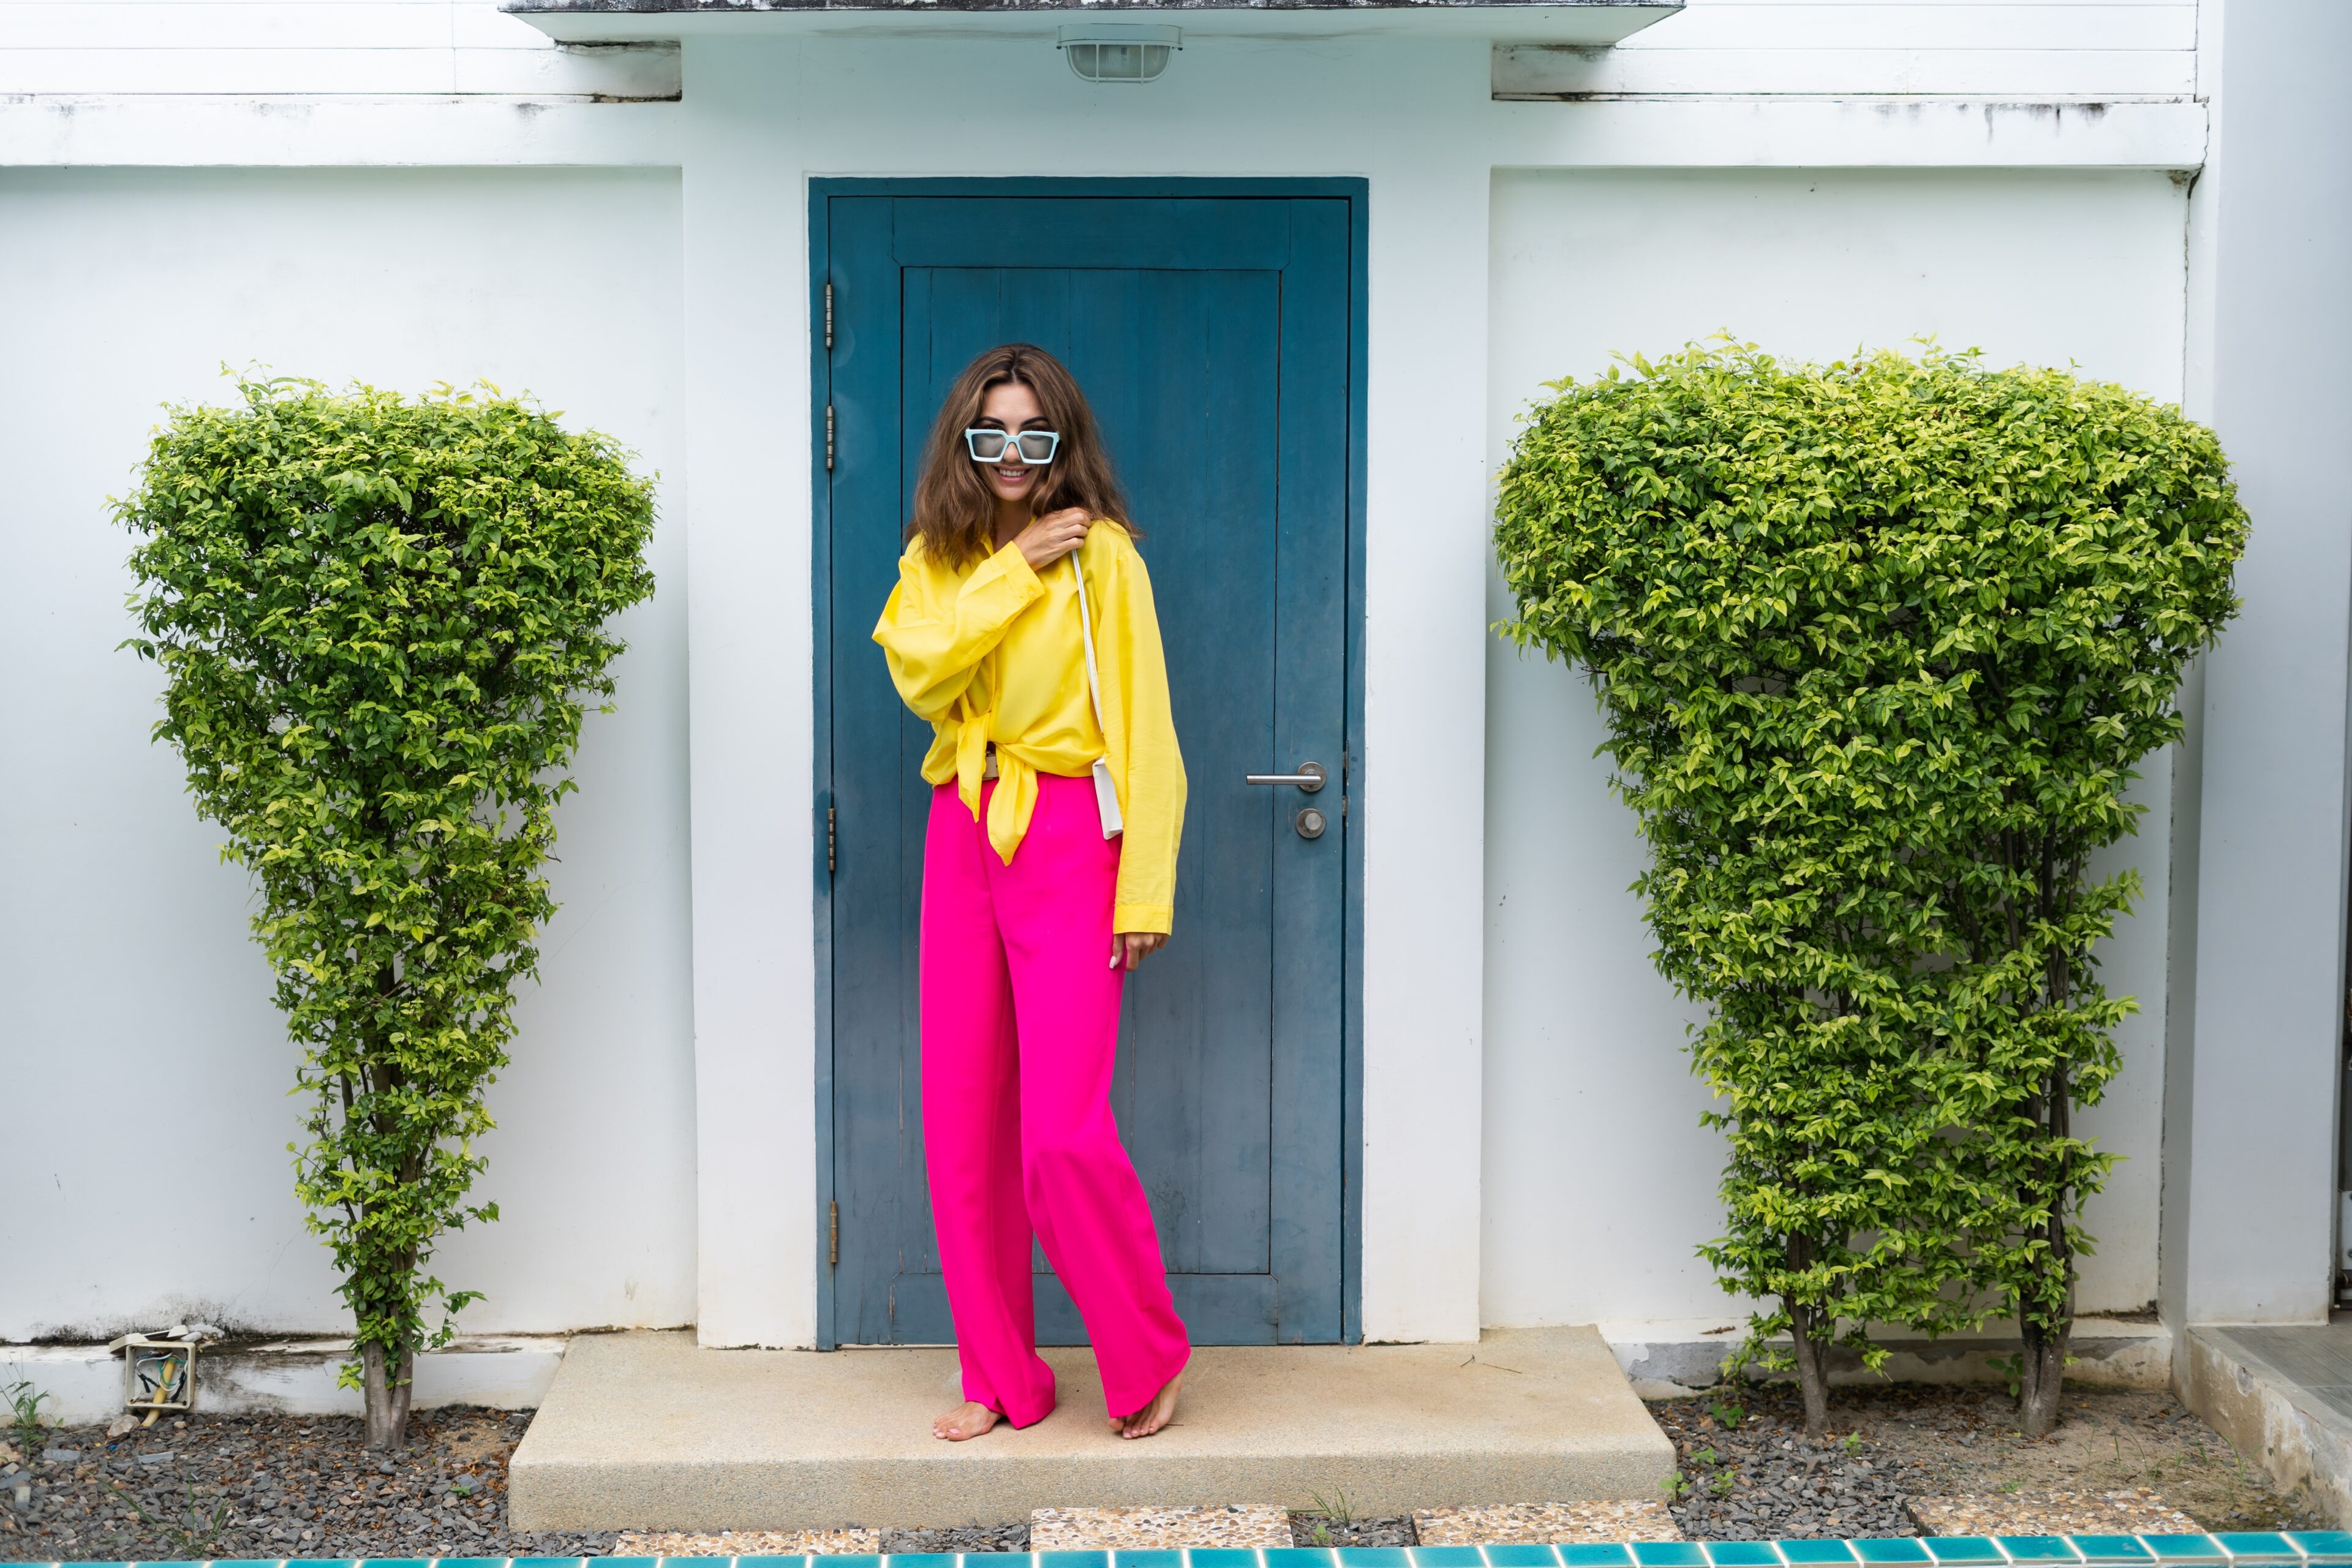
2282 1395
647 1431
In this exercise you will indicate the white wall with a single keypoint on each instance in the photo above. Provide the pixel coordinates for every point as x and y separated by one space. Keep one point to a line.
307 47
2003 50
672 311
1599 1180
142 1068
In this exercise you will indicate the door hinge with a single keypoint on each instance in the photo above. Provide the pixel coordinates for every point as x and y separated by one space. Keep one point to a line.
832 844
828 438
828 317
832 1233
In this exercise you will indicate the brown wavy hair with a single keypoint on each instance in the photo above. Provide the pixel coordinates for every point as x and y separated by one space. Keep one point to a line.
955 511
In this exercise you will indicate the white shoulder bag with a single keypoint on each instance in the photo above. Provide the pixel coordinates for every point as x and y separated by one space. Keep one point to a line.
1106 793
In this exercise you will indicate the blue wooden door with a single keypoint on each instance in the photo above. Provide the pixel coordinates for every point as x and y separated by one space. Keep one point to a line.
1211 335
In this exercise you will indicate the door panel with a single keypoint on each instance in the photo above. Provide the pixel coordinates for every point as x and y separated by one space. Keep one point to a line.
1211 338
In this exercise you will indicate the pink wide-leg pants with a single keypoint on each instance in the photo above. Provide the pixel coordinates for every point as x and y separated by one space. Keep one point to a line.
1020 1034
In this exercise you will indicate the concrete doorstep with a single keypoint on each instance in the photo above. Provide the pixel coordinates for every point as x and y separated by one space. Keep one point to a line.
647 1431
2282 1395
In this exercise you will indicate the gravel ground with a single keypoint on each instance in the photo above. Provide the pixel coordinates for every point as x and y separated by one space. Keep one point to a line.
1335 1527
267 1486
272 1485
960 1538
1759 1479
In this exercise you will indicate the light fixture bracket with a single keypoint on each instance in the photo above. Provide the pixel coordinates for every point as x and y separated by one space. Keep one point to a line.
1119 53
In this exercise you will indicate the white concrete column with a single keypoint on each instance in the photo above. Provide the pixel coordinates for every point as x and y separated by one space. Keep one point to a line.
2249 1139
747 422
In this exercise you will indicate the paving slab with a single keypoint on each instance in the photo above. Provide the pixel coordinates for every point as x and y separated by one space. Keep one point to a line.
647 1431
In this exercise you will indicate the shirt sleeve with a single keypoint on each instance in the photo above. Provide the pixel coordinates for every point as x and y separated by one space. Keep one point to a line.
1139 733
935 630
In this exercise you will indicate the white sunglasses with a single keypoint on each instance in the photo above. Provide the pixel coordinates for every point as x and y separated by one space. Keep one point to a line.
1035 448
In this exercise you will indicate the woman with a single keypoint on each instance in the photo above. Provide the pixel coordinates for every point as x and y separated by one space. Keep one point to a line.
1025 888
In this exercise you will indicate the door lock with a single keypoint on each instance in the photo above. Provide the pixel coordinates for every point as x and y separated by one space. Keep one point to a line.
1309 821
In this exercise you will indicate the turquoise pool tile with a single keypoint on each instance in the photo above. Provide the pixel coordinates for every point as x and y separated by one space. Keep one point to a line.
549 1562
1069 1559
1447 1557
2039 1549
421 1561
2258 1544
1366 1557
898 1560
1805 1552
756 1562
1877 1549
1595 1554
2184 1548
2112 1548
444 1562
1220 1557
274 1562
846 1559
1742 1555
2323 1542
1298 1557
1522 1556
1669 1554
1148 1559
1963 1549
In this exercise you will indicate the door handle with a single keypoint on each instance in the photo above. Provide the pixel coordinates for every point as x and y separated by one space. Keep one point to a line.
1308 778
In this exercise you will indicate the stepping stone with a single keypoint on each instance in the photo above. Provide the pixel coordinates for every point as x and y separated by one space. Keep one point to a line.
748 1543
1545 1524
2134 1510
1158 1529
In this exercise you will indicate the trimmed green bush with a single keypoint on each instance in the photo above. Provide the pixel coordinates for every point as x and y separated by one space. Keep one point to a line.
377 619
1878 644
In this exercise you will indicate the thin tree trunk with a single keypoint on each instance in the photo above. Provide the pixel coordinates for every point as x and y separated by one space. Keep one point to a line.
1809 1339
387 1396
2042 1368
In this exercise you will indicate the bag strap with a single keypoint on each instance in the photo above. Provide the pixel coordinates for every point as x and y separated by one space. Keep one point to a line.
1086 637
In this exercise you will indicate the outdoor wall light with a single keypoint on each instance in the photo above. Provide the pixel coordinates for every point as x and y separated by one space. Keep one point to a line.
1117 52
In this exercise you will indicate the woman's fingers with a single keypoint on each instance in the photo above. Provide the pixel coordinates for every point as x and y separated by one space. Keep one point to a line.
1133 946
1049 538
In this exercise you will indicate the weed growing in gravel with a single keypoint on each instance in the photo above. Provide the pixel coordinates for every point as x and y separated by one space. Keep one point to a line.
1728 1416
199 1540
25 1404
1336 1509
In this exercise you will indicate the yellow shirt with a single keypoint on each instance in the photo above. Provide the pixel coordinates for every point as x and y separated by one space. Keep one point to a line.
991 653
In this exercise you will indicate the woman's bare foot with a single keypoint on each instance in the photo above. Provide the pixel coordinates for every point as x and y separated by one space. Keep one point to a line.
967 1420
1152 1417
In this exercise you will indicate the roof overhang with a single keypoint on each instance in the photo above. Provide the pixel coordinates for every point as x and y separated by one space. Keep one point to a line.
1585 22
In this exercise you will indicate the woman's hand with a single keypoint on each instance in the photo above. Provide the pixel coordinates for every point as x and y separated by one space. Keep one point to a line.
1049 538
1129 946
